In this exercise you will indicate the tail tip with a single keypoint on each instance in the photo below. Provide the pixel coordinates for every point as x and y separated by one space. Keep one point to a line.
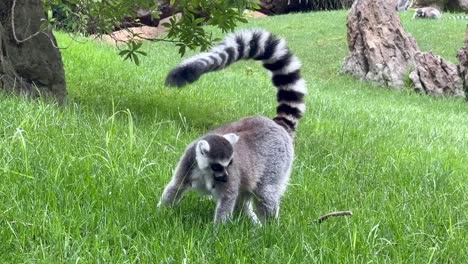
183 75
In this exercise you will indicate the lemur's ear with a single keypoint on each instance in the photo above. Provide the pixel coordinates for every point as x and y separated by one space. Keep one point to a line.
232 138
203 147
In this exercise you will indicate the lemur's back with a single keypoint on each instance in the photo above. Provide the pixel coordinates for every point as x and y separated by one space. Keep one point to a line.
263 147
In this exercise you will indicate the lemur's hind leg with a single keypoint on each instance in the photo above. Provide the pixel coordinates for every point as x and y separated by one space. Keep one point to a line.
268 203
248 209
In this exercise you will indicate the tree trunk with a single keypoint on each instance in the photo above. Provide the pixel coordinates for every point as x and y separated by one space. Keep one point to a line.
381 51
29 65
462 56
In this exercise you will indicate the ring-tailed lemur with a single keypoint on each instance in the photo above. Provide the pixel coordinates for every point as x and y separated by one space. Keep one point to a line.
247 163
458 17
433 13
427 12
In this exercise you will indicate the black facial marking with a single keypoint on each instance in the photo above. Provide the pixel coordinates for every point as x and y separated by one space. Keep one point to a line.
223 178
216 167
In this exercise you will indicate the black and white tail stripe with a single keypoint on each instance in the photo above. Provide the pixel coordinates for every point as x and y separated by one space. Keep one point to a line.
260 45
458 17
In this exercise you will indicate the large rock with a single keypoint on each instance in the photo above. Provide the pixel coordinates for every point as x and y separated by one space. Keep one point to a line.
381 51
462 56
458 5
435 76
440 4
450 5
29 66
123 36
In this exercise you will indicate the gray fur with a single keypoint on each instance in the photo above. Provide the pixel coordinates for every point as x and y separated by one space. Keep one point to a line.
427 12
259 173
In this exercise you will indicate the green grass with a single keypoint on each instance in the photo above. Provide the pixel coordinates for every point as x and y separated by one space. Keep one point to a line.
80 183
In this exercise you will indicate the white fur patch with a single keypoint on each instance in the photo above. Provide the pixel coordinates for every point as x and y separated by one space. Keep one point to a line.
262 42
299 86
231 43
232 138
246 36
280 50
200 154
195 58
292 66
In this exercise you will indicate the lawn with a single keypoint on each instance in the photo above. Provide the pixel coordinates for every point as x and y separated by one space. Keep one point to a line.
80 183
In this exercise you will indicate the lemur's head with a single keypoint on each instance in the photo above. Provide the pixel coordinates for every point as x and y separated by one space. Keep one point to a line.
420 12
214 154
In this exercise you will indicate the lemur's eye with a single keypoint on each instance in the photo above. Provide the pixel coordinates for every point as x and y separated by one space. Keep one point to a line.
216 167
230 163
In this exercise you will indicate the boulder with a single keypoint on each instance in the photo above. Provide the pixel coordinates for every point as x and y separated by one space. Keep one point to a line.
458 5
435 76
121 37
462 56
253 14
30 62
440 4
381 51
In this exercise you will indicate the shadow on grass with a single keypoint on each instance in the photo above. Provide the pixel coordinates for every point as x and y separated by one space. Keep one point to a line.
161 105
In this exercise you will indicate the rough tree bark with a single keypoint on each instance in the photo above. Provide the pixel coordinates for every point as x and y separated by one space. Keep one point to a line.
435 76
381 51
29 62
462 56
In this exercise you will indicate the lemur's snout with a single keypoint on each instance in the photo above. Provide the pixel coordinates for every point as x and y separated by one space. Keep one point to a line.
221 176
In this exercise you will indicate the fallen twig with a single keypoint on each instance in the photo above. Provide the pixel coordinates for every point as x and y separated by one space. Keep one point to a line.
339 213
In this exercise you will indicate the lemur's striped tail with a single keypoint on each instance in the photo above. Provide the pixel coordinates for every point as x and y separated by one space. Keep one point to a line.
258 45
458 17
